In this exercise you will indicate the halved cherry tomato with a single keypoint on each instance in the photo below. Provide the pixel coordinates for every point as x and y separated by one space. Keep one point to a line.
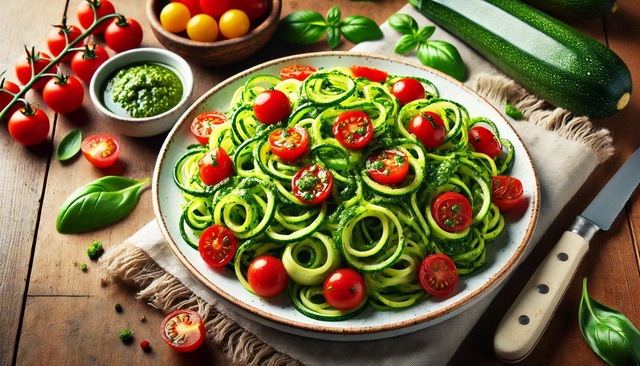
63 95
429 129
215 166
56 41
298 72
344 289
123 35
215 8
29 128
204 123
353 129
217 245
407 90
369 73
388 167
267 276
86 14
507 192
271 106
484 141
183 330
102 150
452 211
6 98
23 69
437 275
312 184
84 64
289 144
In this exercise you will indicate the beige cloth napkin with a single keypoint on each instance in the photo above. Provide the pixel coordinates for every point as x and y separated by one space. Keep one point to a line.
561 146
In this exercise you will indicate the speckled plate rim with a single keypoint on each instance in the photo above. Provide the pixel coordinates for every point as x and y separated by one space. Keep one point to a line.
326 332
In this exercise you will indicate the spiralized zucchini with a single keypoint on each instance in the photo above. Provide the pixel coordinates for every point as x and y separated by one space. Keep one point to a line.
382 231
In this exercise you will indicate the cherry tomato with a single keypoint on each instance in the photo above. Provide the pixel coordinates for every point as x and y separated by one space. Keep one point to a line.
217 245
122 36
202 28
56 41
204 123
183 330
215 166
102 150
388 167
29 128
507 192
6 98
86 15
267 276
353 129
255 9
23 69
484 141
298 72
452 211
429 129
84 64
234 23
372 74
312 184
437 275
174 17
215 8
192 5
344 289
407 90
63 96
289 144
271 106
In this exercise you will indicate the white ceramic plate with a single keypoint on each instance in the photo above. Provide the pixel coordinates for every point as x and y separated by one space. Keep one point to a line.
502 254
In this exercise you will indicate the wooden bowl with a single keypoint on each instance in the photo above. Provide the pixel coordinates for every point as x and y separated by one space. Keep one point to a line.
216 53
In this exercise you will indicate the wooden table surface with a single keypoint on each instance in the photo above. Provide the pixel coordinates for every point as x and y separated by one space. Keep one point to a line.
55 314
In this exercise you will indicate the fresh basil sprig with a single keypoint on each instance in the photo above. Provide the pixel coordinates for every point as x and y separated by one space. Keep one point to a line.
99 203
69 145
307 26
609 333
440 55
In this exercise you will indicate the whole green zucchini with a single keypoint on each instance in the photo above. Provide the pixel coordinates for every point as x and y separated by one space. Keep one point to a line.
549 58
575 8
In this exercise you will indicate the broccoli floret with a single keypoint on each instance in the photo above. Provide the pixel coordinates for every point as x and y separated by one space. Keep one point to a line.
126 336
95 250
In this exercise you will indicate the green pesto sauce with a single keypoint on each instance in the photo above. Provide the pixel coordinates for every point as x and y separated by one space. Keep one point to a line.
144 90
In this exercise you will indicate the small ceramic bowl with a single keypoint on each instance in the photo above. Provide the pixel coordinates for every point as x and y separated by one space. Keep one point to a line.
216 53
147 126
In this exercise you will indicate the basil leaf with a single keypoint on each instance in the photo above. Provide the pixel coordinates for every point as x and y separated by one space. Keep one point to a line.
425 32
403 23
609 333
442 56
405 44
99 203
302 27
69 145
512 111
333 16
358 29
333 37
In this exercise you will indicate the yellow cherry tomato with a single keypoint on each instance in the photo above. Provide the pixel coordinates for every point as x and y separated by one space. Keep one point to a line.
234 23
202 28
174 17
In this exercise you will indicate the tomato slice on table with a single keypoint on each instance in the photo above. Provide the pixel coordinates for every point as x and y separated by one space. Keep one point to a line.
507 192
312 184
429 129
215 166
204 123
388 167
289 144
353 129
298 72
344 289
271 106
370 73
102 150
217 245
452 211
183 330
484 141
267 276
437 275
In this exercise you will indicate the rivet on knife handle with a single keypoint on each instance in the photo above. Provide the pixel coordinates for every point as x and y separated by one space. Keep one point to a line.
526 320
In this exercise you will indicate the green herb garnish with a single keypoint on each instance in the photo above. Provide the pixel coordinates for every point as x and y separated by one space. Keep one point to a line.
95 250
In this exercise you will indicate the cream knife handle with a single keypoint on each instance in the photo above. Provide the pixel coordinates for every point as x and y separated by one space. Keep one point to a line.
526 320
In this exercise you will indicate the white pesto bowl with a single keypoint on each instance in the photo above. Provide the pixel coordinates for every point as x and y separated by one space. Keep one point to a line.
147 126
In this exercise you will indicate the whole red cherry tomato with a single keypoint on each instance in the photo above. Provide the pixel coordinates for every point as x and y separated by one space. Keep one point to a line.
214 8
255 9
123 35
344 289
353 129
506 192
267 276
101 150
271 106
407 90
215 166
63 95
56 41
29 126
452 211
23 69
484 141
429 129
84 64
437 275
289 144
6 98
86 14
370 73
388 167
217 245
183 330
312 184
192 5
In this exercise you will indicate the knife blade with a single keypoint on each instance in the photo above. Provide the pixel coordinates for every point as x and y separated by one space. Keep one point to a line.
525 321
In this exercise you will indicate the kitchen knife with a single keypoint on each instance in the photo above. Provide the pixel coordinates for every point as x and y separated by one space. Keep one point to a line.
523 324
